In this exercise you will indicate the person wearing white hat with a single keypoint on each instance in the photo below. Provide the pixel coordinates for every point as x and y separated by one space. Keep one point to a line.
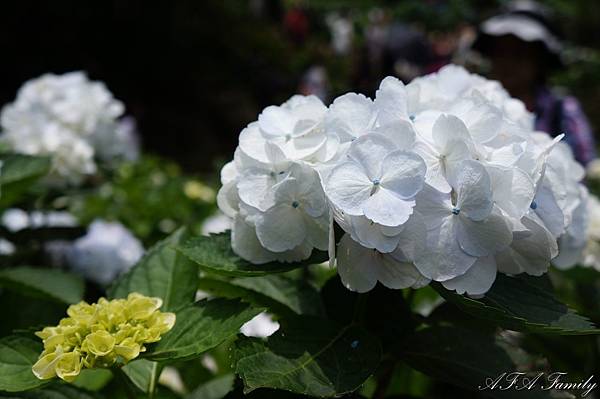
524 47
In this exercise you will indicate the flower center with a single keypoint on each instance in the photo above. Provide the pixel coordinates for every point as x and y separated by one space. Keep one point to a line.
295 204
375 186
455 211
411 117
288 137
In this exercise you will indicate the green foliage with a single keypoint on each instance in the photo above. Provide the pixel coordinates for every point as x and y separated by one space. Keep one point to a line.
200 327
523 303
280 294
151 197
17 173
143 374
43 283
163 273
464 357
324 361
214 255
55 391
17 355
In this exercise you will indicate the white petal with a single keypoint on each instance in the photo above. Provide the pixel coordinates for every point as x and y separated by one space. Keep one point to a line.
305 146
281 228
386 208
355 265
513 190
391 100
255 186
276 121
401 132
434 206
350 116
348 187
435 174
396 275
449 128
547 208
477 280
531 254
227 199
443 258
474 190
245 243
317 231
369 235
369 151
229 172
412 240
252 143
484 237
484 122
403 173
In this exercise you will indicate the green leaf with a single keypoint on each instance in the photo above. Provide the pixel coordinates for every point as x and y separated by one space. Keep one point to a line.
93 379
43 283
54 391
163 273
462 357
309 356
200 327
17 355
214 254
17 172
143 374
213 389
280 294
523 303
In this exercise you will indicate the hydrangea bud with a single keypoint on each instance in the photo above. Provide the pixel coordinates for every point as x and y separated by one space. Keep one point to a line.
101 334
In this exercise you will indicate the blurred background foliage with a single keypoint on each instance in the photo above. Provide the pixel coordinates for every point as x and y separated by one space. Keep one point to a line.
194 73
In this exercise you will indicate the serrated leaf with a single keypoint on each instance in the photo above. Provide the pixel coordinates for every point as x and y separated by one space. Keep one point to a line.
17 172
200 327
163 273
45 283
309 356
17 355
214 254
463 357
280 294
523 303
54 391
143 374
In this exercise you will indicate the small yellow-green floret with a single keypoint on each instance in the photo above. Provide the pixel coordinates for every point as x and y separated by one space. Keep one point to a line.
101 335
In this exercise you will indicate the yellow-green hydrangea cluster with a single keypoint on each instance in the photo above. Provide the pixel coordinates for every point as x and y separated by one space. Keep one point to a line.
100 335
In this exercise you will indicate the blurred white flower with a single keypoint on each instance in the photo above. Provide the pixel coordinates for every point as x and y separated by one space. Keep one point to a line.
107 250
70 118
261 326
217 223
15 219
6 247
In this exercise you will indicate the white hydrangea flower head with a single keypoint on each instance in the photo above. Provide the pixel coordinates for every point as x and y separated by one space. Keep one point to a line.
443 179
107 250
70 118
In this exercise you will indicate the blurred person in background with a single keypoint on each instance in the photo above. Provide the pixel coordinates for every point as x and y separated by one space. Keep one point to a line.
524 48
